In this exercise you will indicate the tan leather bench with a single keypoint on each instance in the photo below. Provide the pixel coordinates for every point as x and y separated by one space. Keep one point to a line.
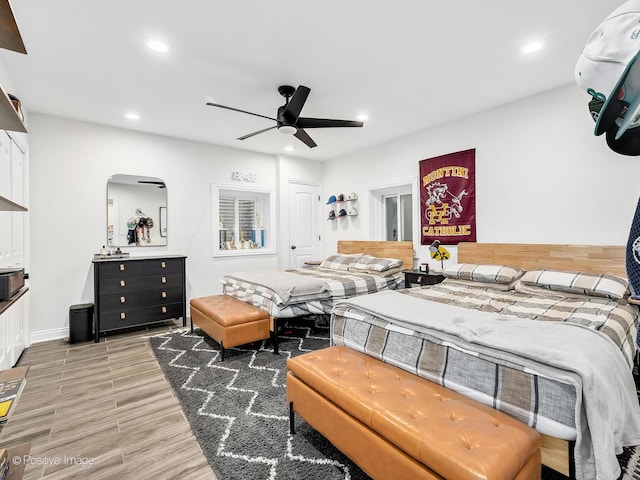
394 424
229 321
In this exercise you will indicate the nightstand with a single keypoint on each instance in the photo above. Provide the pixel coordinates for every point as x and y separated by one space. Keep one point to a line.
421 278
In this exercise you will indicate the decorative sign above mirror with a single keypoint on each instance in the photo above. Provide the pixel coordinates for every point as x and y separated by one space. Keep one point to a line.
135 205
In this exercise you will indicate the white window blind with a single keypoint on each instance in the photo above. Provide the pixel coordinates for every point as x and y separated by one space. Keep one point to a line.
237 222
227 219
247 219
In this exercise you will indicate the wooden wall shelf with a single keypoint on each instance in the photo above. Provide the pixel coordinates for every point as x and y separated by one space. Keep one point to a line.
9 119
10 37
7 205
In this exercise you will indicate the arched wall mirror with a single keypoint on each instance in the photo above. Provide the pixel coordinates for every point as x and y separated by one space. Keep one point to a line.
136 211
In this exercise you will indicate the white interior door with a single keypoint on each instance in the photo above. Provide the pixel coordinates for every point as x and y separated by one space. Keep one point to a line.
304 227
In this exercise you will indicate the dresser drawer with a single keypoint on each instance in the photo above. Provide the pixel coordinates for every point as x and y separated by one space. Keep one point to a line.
121 269
109 286
126 300
131 317
163 266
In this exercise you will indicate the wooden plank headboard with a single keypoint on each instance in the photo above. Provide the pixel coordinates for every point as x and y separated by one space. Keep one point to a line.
583 258
383 249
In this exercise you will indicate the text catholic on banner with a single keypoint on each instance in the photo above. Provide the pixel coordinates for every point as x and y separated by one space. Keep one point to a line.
448 198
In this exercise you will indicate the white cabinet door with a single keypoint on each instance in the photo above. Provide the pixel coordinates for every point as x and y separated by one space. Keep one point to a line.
5 165
20 312
17 195
17 173
13 332
5 341
6 239
17 239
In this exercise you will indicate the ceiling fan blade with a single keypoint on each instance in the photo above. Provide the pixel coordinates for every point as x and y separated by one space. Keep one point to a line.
244 137
295 104
238 110
305 138
326 123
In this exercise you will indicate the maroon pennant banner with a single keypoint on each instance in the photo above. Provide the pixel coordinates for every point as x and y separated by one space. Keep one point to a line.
448 198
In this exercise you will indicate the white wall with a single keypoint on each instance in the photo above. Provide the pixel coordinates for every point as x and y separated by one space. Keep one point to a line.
70 164
541 174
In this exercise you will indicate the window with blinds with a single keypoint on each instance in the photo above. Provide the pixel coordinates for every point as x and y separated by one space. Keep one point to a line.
243 218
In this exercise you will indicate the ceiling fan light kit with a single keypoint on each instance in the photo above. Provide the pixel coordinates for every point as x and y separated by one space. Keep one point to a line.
288 119
287 129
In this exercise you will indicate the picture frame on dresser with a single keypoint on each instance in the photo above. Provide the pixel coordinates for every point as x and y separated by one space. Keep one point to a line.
138 291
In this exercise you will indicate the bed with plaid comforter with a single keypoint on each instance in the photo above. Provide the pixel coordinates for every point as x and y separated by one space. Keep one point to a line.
275 292
509 350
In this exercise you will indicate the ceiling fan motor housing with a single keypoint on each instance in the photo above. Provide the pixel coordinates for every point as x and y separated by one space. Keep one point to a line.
285 126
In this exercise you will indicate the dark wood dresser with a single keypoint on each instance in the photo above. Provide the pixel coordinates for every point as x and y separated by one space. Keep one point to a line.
130 292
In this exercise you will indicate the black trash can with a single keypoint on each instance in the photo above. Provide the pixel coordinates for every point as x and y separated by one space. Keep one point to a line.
80 322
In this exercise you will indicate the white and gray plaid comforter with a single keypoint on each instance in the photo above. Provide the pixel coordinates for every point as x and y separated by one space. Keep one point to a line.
290 293
552 363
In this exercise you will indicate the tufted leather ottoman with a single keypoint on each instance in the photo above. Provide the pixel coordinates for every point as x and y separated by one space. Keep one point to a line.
394 424
229 321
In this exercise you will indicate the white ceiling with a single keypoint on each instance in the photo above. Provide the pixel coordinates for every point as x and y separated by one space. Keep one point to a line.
409 64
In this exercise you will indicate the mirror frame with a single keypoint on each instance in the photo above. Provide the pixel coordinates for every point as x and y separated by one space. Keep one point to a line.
133 201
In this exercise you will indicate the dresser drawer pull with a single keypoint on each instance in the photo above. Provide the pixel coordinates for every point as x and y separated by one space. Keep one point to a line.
164 279
122 267
123 316
164 294
122 283
164 265
164 309
419 280
123 300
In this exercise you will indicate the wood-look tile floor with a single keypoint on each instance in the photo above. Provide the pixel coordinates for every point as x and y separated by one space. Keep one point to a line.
102 411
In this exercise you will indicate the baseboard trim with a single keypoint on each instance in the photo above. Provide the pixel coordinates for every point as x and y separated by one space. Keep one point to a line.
46 335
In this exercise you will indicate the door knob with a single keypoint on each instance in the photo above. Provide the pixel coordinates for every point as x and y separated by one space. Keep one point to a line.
293 247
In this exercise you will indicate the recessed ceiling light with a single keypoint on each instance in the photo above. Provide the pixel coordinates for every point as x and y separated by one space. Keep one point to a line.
132 116
158 46
289 148
362 117
532 47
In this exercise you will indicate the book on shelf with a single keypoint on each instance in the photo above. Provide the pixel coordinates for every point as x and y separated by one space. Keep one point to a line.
10 390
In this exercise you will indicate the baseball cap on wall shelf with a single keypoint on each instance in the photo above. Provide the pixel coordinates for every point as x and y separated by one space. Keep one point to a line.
341 197
352 196
607 69
343 213
332 199
352 211
332 215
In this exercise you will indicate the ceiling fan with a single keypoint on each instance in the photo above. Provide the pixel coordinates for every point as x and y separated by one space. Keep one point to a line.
288 119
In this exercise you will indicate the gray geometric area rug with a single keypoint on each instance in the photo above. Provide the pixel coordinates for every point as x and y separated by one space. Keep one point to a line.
237 408
238 412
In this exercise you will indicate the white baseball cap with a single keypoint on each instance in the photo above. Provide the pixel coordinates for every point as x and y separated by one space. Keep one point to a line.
606 70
